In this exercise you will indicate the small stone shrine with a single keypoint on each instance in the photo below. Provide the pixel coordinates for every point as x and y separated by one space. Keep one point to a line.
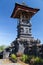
25 42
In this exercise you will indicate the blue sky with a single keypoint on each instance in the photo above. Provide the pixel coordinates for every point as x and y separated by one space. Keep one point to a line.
8 31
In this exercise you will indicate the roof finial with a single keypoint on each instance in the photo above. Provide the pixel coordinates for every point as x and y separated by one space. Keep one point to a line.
23 3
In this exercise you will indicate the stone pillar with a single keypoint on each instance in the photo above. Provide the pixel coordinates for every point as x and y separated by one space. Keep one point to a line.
5 54
21 48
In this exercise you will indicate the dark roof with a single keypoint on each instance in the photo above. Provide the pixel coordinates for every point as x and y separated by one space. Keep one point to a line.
23 6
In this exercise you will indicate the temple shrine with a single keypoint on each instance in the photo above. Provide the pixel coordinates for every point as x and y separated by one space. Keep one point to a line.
25 42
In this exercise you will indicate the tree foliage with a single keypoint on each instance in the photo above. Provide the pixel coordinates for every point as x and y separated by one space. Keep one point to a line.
2 47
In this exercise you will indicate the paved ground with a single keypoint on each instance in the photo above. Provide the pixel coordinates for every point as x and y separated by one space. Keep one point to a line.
11 64
7 62
3 62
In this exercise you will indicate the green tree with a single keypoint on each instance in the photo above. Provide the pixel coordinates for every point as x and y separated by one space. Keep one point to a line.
2 47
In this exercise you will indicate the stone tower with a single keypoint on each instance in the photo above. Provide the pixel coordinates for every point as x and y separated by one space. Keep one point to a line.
23 13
